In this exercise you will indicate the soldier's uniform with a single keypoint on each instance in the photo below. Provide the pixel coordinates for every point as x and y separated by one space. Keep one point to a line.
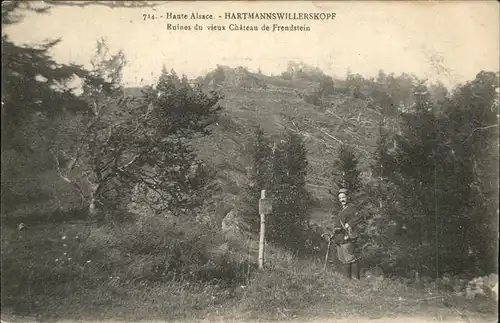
346 233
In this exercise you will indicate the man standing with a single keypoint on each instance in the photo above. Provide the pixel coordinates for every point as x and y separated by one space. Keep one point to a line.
345 229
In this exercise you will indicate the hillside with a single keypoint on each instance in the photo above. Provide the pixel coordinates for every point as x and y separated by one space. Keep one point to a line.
64 265
276 104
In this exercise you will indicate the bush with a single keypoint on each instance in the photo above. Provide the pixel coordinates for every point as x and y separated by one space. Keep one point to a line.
163 250
54 263
312 98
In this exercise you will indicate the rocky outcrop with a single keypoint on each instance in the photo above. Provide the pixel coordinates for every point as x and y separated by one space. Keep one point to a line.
234 226
227 77
238 235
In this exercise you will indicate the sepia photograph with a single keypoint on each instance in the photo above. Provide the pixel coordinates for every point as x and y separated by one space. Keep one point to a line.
250 161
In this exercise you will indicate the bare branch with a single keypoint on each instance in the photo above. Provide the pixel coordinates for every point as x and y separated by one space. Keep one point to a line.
11 189
328 135
65 178
133 160
135 130
110 133
333 114
58 168
479 128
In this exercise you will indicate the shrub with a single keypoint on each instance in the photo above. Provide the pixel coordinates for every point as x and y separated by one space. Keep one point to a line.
161 249
54 263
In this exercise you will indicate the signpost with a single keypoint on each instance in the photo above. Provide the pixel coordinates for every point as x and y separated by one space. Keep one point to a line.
265 207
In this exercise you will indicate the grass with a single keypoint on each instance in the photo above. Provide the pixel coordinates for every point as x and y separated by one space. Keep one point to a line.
79 270
64 267
244 109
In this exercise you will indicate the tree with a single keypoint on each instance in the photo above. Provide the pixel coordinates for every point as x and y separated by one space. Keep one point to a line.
437 176
390 92
383 164
33 85
345 172
260 178
291 200
163 163
354 82
219 75
326 86
35 93
472 147
438 93
141 145
262 156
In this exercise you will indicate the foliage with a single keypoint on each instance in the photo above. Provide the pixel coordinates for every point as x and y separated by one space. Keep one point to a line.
11 11
390 92
219 75
281 171
33 87
432 202
326 86
35 90
438 209
355 82
127 146
156 145
345 172
383 161
48 264
260 178
300 70
291 199
312 98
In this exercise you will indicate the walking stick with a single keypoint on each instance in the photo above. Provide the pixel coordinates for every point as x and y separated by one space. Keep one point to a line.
327 253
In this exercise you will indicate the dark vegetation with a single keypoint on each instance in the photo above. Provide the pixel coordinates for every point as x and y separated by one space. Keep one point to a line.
113 199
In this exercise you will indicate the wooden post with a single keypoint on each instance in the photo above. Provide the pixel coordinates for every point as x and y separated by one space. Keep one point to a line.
265 207
262 240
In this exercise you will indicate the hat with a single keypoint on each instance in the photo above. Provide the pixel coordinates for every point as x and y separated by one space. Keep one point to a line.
343 190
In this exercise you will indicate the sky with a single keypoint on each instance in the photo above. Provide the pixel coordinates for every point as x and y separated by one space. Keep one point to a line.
446 41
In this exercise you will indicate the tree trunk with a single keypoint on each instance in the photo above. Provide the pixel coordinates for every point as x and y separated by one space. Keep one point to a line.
93 207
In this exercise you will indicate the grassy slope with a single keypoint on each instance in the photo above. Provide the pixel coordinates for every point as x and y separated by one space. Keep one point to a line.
278 107
289 288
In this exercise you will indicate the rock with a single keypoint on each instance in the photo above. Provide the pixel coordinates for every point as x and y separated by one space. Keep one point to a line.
492 279
482 286
233 225
494 291
375 272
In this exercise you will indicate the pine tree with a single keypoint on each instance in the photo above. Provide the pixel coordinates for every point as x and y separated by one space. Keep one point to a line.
36 103
383 161
291 200
260 178
437 177
279 222
383 165
471 149
262 156
161 159
34 86
345 171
